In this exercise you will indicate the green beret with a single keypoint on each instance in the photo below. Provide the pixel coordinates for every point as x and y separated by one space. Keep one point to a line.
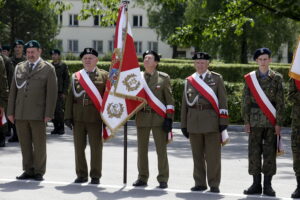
6 47
55 51
19 42
89 51
201 56
156 56
32 44
261 51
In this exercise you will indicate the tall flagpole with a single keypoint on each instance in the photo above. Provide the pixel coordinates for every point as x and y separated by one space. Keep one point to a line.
125 2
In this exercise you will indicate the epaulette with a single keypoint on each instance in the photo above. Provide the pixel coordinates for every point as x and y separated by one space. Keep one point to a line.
215 73
163 74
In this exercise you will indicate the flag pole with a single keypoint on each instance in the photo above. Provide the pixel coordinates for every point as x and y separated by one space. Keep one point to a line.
125 2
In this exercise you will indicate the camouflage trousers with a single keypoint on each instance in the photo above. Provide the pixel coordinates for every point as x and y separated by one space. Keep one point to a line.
262 144
295 143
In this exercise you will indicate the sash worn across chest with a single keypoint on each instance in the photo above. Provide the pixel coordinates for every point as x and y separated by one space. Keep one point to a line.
205 91
260 97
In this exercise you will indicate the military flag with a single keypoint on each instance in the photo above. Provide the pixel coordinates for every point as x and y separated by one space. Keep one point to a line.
295 68
124 94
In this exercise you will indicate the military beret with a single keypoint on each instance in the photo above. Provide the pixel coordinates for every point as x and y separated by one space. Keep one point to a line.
201 56
261 51
19 42
55 51
32 44
89 51
6 47
156 56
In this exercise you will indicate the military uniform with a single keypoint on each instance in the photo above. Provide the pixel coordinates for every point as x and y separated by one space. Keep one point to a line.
32 98
3 96
202 123
148 120
294 97
62 74
87 122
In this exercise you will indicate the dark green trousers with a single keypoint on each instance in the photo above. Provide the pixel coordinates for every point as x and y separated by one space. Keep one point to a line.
295 143
206 149
262 144
92 132
32 138
160 140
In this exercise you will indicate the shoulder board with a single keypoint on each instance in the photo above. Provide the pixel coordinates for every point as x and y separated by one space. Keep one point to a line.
275 74
215 73
163 74
102 71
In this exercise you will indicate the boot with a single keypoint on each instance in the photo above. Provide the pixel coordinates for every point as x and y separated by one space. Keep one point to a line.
55 130
296 193
268 190
61 128
255 188
14 137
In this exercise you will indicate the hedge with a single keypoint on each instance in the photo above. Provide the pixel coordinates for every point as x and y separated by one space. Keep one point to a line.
230 72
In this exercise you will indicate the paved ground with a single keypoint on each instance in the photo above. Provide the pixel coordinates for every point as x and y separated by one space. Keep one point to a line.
60 171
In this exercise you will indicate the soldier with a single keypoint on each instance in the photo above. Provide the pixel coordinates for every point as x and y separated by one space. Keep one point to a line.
82 113
149 119
31 105
294 97
262 110
62 74
3 99
204 116
6 50
17 58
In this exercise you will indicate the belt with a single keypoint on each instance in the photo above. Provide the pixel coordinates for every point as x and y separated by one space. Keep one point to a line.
202 106
255 105
147 110
83 102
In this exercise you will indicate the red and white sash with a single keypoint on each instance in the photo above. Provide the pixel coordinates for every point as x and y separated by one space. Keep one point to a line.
2 119
94 94
208 94
154 102
260 97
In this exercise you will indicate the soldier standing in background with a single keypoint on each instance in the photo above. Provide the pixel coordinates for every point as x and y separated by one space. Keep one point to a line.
6 50
262 110
3 99
62 74
82 113
294 97
31 105
204 116
18 56
148 120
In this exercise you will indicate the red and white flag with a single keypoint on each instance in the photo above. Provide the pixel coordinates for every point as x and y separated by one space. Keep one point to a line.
124 94
295 68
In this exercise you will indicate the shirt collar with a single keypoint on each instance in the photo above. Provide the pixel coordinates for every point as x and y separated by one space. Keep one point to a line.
203 75
35 63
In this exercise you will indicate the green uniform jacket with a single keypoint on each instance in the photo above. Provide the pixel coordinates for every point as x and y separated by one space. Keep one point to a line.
81 110
9 69
3 84
63 79
159 84
16 60
33 94
294 97
198 120
272 86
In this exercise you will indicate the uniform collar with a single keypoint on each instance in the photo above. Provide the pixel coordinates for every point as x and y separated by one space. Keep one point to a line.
203 75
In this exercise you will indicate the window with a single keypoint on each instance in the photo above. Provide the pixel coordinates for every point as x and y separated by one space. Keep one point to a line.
73 46
73 20
137 20
138 47
97 20
59 20
98 45
153 46
110 46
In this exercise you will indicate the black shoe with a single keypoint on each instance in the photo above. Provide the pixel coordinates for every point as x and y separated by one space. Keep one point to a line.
269 191
215 190
95 181
163 185
54 132
198 188
80 180
38 177
24 176
138 183
13 139
2 143
296 193
60 132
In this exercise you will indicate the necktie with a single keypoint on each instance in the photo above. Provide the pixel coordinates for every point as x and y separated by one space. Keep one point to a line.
201 77
31 67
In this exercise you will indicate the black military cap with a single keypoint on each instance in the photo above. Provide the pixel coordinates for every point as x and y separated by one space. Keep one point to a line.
261 51
6 47
55 51
19 42
89 51
156 56
32 44
201 56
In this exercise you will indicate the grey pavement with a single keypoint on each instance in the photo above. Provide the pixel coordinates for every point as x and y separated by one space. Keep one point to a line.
58 183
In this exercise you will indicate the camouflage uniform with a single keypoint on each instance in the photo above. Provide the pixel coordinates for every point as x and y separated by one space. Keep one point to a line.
262 140
3 96
294 97
62 74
